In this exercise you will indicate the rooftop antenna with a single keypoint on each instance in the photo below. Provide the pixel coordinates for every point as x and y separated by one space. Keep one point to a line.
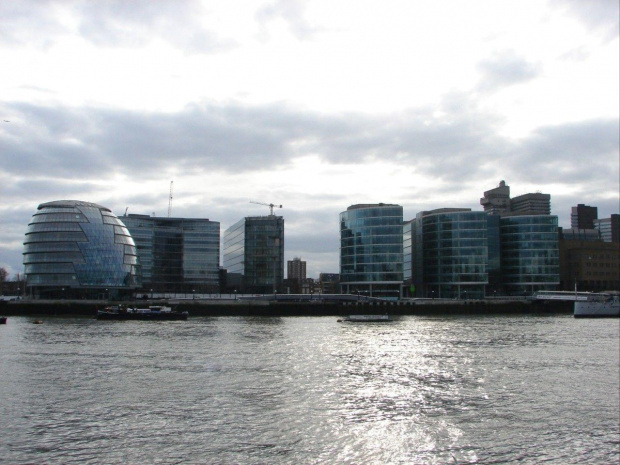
170 201
270 205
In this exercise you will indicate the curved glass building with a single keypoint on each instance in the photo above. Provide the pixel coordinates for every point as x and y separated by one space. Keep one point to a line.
77 249
530 253
453 245
371 250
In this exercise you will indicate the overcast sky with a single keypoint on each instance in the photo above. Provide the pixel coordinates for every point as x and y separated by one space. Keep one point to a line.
315 105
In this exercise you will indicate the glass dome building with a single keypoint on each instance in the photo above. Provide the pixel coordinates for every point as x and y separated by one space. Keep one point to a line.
76 249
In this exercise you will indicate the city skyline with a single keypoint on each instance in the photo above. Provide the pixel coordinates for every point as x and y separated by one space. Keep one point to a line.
305 104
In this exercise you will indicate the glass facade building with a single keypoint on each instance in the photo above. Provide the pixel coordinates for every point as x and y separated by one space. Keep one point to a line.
530 253
449 255
178 255
371 250
253 253
76 249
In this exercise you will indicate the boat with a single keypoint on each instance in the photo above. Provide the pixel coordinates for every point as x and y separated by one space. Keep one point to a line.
2 320
153 312
368 318
598 304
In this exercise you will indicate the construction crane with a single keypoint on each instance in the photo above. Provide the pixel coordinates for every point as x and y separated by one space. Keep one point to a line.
170 200
270 205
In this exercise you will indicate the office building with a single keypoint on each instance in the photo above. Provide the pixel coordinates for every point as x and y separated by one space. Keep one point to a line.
254 253
371 250
609 228
497 201
76 249
531 204
178 255
446 254
589 265
583 216
529 253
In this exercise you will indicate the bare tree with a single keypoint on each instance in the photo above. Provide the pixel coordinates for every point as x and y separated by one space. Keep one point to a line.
3 275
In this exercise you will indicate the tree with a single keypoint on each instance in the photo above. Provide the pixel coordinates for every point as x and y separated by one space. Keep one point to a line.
3 275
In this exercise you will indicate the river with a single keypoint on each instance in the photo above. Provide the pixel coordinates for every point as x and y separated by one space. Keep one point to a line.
309 390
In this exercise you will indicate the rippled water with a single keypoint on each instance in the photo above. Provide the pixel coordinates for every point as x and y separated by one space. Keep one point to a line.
311 390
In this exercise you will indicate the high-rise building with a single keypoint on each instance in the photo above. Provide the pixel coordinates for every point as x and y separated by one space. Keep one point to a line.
254 253
296 269
609 228
531 204
583 216
497 201
178 255
371 250
76 249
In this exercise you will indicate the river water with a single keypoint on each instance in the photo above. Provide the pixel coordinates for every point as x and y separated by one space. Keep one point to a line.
419 390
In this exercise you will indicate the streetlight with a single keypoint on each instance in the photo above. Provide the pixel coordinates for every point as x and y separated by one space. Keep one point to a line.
235 294
193 294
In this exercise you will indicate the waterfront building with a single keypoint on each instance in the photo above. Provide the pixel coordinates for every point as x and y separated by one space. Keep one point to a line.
178 255
254 253
371 250
583 216
329 283
76 249
590 235
609 228
589 265
446 253
529 253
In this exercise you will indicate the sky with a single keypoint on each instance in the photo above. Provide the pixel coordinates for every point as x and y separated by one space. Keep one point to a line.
313 105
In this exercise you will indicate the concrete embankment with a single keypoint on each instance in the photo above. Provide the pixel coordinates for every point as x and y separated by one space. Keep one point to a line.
279 309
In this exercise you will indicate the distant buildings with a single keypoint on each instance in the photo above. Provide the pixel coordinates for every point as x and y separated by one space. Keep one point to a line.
254 254
178 255
583 216
371 250
590 251
296 269
79 250
497 201
513 247
609 228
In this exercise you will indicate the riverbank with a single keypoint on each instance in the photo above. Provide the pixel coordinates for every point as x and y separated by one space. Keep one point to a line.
313 308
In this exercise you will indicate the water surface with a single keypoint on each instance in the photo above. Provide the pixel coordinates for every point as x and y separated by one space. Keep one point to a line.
227 390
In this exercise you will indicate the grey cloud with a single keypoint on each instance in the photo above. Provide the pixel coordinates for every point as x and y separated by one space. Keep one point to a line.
602 16
67 142
111 23
504 69
580 152
291 11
